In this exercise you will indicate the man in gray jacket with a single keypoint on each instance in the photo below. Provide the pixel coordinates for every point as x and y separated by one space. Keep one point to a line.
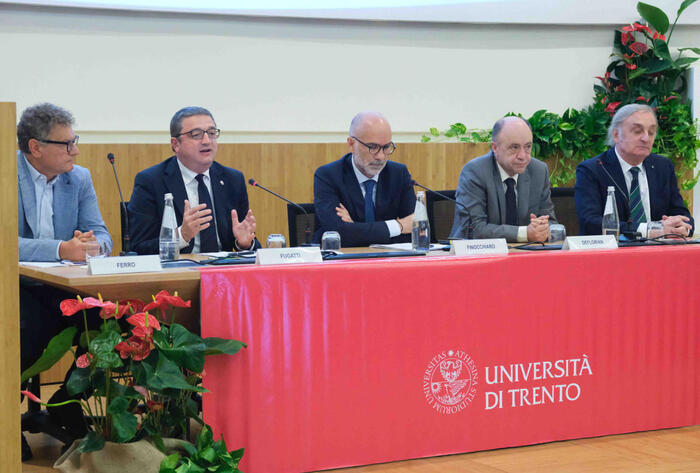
506 191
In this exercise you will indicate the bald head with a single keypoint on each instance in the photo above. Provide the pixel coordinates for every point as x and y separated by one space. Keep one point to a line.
364 121
511 144
370 131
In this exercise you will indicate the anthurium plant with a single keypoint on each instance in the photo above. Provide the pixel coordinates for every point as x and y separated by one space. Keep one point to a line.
140 370
643 69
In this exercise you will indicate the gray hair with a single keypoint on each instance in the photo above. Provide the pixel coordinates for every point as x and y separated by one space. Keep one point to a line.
37 122
180 115
622 114
498 126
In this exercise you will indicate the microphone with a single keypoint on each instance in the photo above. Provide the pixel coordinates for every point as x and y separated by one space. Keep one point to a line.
469 215
126 236
307 230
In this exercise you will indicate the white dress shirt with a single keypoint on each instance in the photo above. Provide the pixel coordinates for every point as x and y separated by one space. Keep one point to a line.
643 189
192 188
392 225
522 230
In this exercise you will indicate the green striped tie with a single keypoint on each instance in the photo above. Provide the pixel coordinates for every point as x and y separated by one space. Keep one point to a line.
637 209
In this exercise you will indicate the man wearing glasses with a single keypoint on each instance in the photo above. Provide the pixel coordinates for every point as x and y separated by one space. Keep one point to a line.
57 214
211 201
364 196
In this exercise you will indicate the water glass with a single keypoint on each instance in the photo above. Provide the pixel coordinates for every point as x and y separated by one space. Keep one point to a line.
276 240
330 241
655 229
557 232
93 249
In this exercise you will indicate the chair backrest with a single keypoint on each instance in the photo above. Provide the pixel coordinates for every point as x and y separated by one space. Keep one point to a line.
298 222
441 214
565 208
126 246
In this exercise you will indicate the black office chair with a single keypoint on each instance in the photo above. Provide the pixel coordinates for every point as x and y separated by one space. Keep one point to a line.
441 214
565 208
126 244
299 222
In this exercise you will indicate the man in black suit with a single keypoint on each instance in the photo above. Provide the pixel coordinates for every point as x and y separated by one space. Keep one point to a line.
200 186
645 184
363 196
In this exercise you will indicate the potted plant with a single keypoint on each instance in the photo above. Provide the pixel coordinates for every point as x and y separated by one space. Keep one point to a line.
136 381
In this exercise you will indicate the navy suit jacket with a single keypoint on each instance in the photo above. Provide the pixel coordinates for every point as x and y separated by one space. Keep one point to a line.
592 183
147 202
335 183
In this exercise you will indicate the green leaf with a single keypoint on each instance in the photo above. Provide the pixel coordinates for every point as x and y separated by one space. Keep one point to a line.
434 132
566 126
92 442
657 65
661 50
637 72
219 346
103 348
424 139
654 15
695 50
124 423
83 341
79 381
684 61
54 351
187 349
684 5
169 462
167 375
208 454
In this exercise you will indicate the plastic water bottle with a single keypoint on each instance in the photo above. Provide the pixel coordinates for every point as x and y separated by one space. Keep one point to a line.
420 234
169 240
611 220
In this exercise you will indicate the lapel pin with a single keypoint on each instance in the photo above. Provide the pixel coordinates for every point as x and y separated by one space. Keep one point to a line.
221 182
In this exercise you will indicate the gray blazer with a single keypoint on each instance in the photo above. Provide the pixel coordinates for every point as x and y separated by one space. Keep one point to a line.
74 208
480 189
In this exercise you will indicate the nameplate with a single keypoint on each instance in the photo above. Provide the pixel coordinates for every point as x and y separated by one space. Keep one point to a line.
590 242
491 246
288 255
124 264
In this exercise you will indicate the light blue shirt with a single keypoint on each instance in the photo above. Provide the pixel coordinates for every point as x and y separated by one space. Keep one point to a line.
43 192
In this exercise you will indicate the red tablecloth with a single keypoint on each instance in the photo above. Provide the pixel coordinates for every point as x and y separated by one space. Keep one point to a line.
360 362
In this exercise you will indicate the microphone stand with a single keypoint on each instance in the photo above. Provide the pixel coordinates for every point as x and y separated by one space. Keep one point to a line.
307 230
469 215
126 235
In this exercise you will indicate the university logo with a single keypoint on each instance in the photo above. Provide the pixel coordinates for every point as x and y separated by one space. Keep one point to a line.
449 381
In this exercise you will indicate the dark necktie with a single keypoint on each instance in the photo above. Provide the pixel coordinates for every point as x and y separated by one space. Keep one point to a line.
369 204
511 205
207 237
637 215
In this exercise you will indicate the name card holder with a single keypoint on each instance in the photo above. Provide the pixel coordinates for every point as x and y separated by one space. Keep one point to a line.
288 255
590 242
491 246
124 264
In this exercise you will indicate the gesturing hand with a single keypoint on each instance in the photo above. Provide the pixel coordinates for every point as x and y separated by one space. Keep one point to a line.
243 232
194 220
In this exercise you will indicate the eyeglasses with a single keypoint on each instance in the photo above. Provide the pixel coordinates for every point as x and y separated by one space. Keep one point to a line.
68 144
198 133
374 148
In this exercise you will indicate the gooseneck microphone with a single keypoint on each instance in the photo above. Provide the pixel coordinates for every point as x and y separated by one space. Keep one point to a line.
624 194
307 230
469 215
126 235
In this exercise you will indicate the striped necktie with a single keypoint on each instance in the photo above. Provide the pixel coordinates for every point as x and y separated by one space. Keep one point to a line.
637 215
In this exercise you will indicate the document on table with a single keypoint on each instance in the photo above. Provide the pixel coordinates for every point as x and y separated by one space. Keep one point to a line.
407 246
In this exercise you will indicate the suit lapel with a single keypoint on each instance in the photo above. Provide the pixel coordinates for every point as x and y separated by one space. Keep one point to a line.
350 183
621 194
500 193
63 193
26 187
221 205
653 183
523 197
176 186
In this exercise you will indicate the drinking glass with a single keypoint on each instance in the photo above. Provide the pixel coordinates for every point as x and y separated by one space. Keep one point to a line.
93 249
276 240
557 232
330 241
655 229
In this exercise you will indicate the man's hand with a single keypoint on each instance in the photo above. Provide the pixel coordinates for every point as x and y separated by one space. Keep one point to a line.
194 220
406 223
74 249
538 230
343 213
676 224
243 232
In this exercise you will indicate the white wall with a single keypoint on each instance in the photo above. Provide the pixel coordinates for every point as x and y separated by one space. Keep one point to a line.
123 74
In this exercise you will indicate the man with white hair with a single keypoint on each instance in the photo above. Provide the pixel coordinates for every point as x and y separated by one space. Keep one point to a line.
645 184
364 196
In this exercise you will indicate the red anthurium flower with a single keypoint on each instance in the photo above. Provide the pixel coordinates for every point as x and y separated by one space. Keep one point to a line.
620 88
641 97
71 306
659 36
645 28
141 390
628 56
136 347
639 48
626 38
604 99
30 395
144 324
119 310
163 300
607 75
629 28
83 360
154 406
670 97
612 106
631 66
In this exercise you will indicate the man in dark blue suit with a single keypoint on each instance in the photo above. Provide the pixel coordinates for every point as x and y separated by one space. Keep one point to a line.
645 184
197 184
363 196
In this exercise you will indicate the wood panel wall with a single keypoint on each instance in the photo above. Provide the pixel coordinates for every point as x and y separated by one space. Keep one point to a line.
287 169
10 458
